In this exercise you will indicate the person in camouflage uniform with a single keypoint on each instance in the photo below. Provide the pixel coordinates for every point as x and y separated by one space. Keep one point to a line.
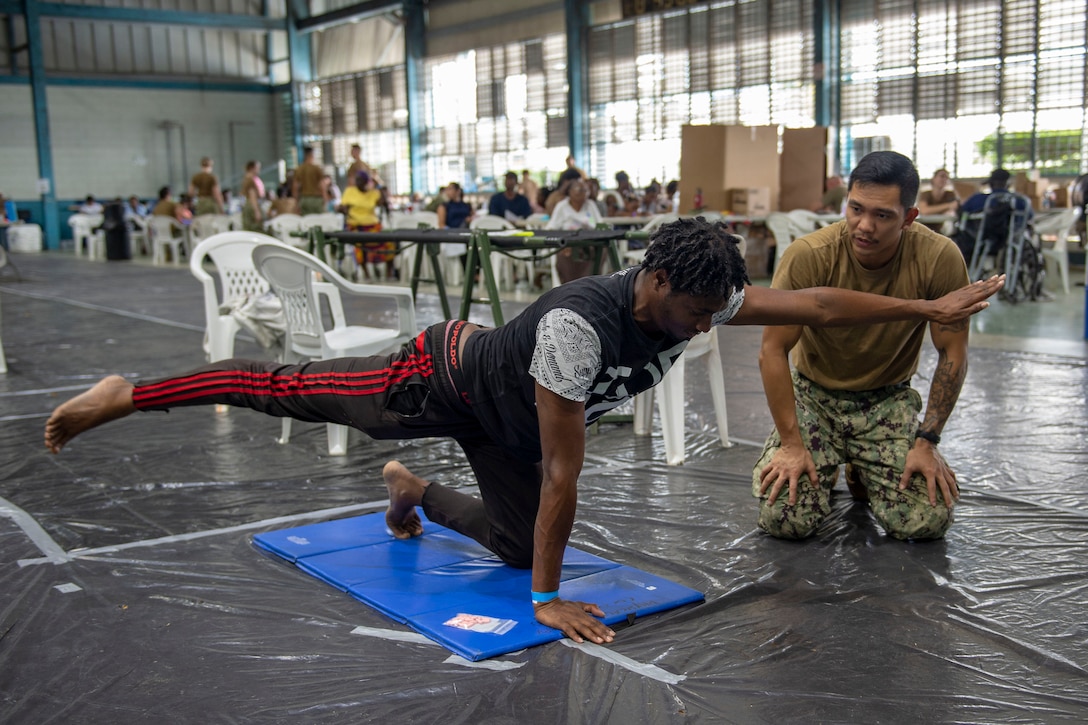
848 399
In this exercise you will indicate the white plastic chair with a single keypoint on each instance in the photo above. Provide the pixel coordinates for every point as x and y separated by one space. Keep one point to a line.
490 222
401 220
83 233
658 220
329 221
232 255
140 235
427 219
1060 226
281 226
670 399
635 256
452 270
163 237
408 220
509 263
536 221
782 229
806 221
207 225
290 272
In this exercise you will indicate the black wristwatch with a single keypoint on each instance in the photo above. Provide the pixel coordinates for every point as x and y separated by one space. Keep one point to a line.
928 436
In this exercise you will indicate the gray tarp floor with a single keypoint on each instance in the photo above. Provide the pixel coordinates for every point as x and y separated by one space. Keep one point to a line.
178 618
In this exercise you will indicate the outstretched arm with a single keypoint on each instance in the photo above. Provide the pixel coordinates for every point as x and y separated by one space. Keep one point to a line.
563 443
944 391
834 307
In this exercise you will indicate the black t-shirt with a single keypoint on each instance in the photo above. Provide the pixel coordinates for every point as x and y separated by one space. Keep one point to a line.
579 340
500 204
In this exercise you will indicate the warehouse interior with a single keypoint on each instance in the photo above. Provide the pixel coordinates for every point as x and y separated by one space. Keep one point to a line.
133 591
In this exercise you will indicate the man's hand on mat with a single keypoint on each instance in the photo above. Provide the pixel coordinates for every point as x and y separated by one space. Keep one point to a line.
787 465
924 459
572 619
966 301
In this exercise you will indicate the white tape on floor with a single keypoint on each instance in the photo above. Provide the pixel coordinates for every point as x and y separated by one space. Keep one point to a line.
103 308
59 556
652 671
54 554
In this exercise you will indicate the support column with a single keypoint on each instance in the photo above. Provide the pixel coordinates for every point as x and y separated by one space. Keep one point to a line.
299 51
825 52
50 213
576 13
415 47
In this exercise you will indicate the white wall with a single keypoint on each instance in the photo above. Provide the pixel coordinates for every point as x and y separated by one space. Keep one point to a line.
18 152
109 141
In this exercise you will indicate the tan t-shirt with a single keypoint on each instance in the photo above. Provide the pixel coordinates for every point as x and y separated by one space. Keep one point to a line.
355 168
309 178
204 184
927 266
164 207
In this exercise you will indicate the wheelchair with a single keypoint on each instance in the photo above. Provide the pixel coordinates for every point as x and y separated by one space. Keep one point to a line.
999 239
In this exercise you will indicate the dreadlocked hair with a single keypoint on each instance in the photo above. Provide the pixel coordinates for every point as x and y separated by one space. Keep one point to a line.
701 258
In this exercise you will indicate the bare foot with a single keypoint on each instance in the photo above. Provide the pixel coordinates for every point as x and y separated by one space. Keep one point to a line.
405 493
109 399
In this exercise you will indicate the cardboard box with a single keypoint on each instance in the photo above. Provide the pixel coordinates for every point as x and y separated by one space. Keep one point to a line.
965 189
702 167
754 201
802 168
716 158
1061 196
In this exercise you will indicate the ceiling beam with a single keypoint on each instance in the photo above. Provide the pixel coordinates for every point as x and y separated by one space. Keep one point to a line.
349 14
231 21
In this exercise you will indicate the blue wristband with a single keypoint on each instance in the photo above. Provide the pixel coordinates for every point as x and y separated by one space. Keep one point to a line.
543 597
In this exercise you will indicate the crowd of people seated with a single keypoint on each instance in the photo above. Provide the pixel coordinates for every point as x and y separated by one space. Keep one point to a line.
569 199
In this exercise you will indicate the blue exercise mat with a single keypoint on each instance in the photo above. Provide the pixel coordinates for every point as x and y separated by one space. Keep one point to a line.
451 589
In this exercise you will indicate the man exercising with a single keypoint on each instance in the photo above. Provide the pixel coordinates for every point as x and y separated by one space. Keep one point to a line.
518 397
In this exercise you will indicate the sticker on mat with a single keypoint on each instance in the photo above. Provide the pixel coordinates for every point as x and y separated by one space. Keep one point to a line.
481 623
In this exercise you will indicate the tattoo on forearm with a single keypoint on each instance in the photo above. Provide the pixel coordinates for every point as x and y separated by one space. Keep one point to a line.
943 393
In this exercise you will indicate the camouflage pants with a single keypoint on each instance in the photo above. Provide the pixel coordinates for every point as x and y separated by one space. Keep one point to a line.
311 205
249 220
872 431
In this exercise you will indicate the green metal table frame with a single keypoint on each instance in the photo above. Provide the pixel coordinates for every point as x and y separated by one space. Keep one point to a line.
481 247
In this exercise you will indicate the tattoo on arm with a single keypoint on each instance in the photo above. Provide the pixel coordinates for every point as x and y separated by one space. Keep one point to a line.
943 393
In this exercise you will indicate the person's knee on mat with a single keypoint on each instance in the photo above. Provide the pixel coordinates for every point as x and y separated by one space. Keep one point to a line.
916 523
785 521
908 514
514 552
